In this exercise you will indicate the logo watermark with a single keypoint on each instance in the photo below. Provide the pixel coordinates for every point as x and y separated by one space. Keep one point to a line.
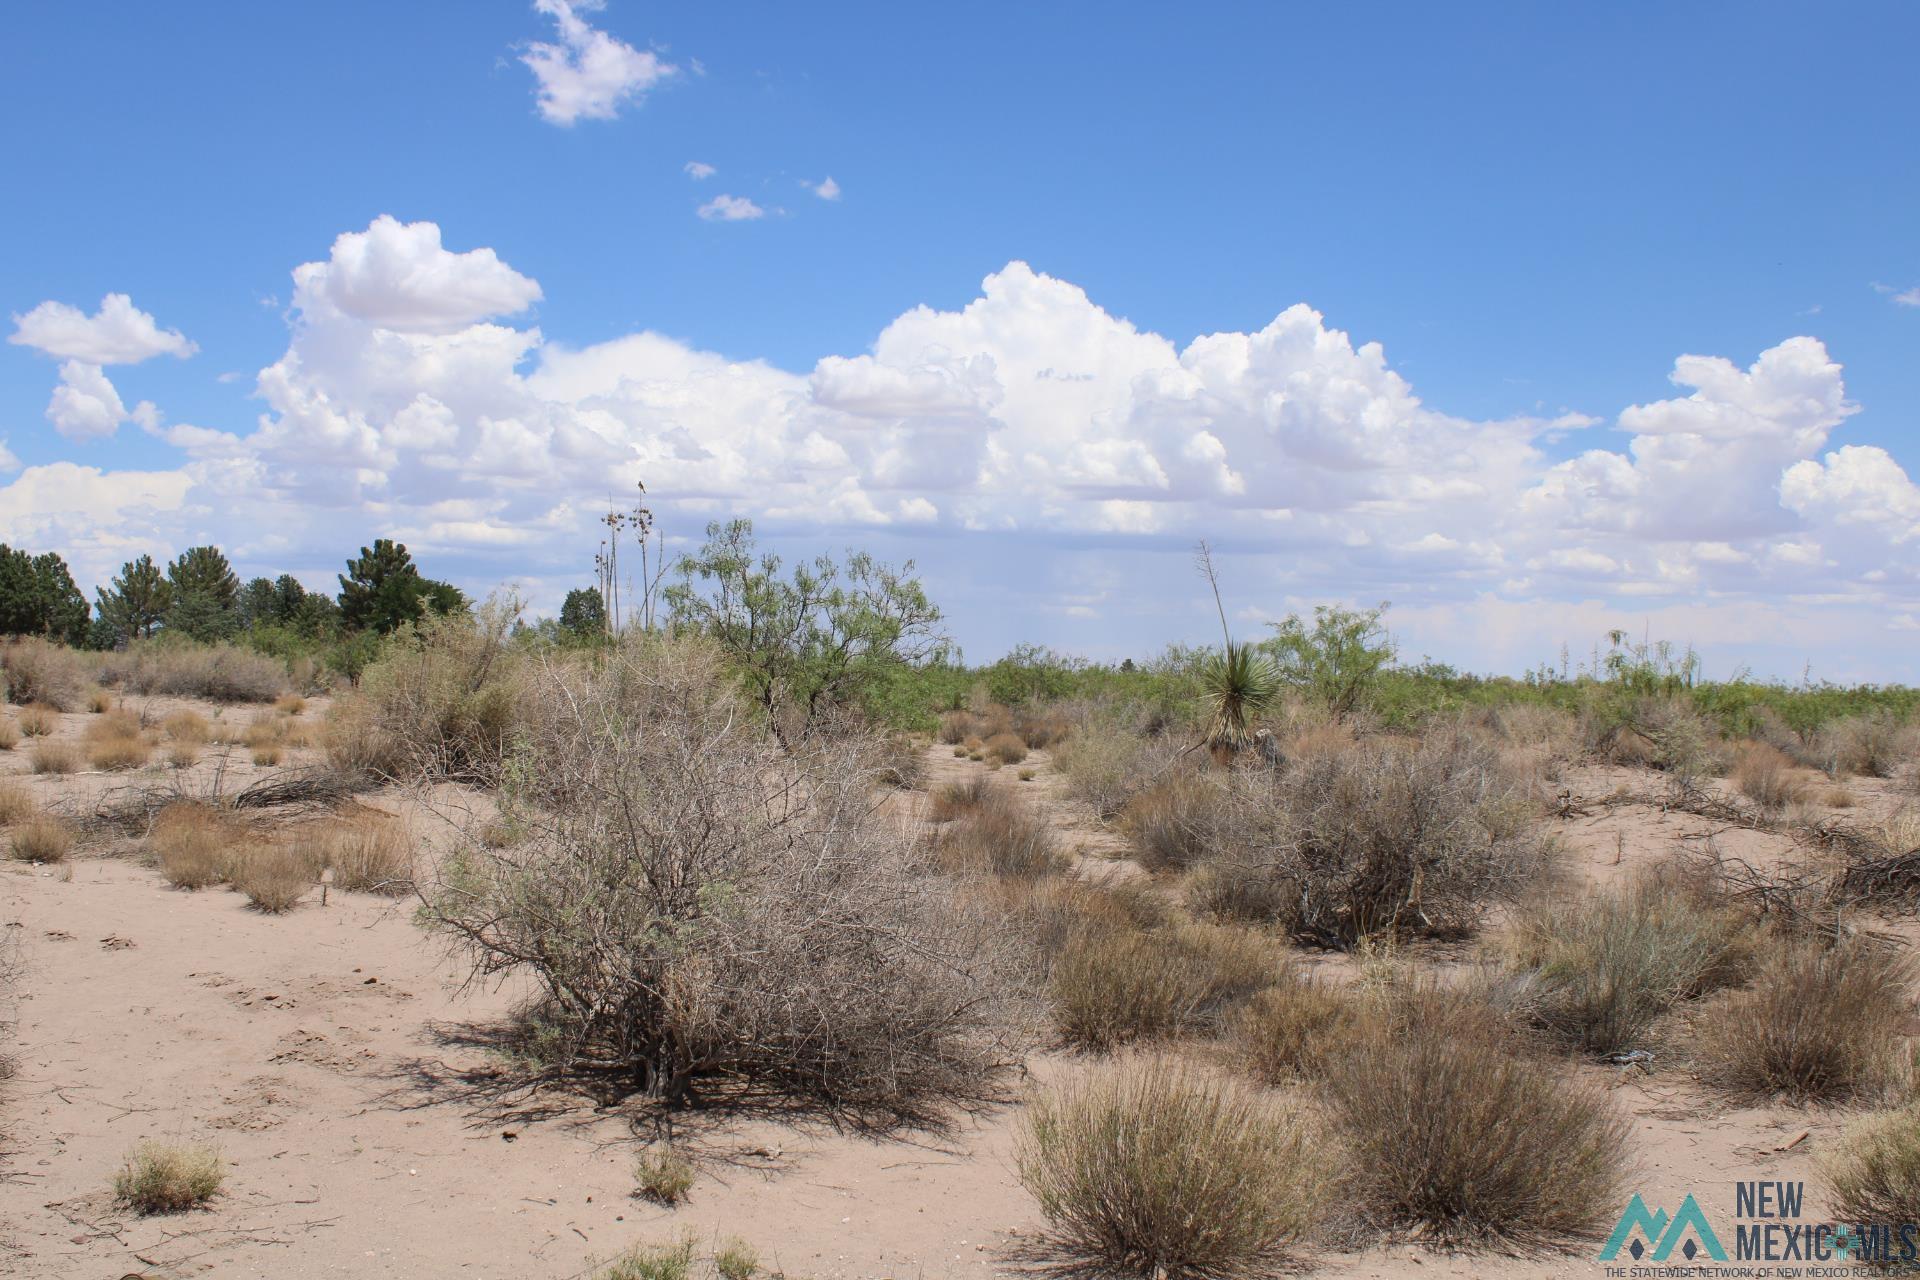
1769 1234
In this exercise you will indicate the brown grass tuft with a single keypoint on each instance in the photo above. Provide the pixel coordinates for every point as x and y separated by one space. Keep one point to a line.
290 704
1289 1033
40 671
128 752
1174 824
1456 1136
1766 777
663 1175
1000 835
38 720
267 756
187 726
9 733
1005 748
1117 986
54 757
367 852
16 803
99 701
1150 1166
1819 1024
1874 1168
273 877
194 845
164 1178
957 799
42 839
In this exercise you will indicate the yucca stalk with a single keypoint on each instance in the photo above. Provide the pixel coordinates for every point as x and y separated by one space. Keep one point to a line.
1238 685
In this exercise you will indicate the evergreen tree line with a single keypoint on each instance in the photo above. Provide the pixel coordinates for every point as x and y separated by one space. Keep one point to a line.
198 596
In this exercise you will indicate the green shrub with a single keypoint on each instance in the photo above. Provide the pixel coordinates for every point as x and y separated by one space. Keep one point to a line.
663 1175
167 1178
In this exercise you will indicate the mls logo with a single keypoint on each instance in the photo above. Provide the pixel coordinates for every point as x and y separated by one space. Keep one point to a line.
1640 1229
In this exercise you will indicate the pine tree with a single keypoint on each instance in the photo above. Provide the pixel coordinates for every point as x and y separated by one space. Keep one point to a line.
38 598
381 590
134 603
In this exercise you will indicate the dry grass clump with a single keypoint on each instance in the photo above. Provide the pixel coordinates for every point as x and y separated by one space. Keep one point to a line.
1818 1024
264 731
652 1262
367 851
273 876
267 756
167 1178
999 835
663 1175
187 726
1103 763
1152 1167
1174 824
290 704
99 701
1005 748
1118 986
445 701
1874 1168
40 839
1040 729
9 734
957 799
1766 777
1052 912
54 757
16 803
1385 837
1603 968
37 720
120 753
1456 1136
1290 1032
182 755
38 670
217 672
194 845
698 904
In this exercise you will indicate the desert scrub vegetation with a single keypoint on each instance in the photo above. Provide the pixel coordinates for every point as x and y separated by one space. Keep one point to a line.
40 671
444 701
367 851
1385 837
1873 744
38 719
216 672
1290 1032
274 877
652 1262
9 733
1150 1166
1601 969
1819 1024
1175 823
161 1177
662 1175
16 804
1119 985
47 756
1766 776
1873 1168
998 834
194 845
1458 1137
41 838
699 905
116 740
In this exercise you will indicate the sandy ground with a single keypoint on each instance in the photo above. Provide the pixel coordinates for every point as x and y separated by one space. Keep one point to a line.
347 1082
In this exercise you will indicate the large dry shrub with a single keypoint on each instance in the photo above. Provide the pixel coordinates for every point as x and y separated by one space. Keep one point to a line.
47 756
38 670
1384 837
696 903
1820 1023
1456 1136
1005 748
1603 968
217 672
1152 1167
1117 986
444 701
1174 824
16 803
273 876
1766 776
40 839
1000 834
1873 744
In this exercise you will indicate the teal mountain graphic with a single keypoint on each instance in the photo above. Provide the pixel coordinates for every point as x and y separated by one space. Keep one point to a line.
1687 1230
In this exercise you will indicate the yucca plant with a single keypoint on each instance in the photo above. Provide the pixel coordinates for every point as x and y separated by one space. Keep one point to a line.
1238 684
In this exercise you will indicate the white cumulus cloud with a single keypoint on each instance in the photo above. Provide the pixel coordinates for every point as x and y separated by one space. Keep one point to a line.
826 190
589 74
700 171
86 406
118 333
726 208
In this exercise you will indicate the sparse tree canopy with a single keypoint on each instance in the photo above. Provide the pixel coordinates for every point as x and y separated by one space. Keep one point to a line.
133 604
810 641
1338 660
38 598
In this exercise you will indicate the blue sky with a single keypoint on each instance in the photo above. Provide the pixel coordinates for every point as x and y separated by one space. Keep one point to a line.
1535 211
